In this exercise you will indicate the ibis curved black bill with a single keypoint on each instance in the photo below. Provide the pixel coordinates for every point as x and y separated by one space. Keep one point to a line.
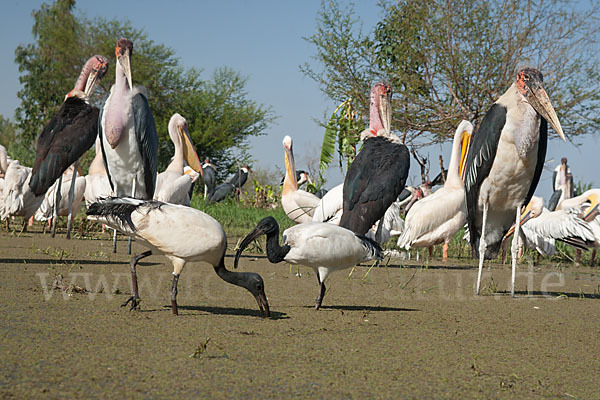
245 242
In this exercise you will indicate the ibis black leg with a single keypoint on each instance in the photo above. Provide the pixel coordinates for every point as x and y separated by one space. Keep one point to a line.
135 299
174 294
320 298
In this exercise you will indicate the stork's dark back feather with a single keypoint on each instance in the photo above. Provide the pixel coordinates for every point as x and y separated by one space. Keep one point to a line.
70 133
373 182
481 155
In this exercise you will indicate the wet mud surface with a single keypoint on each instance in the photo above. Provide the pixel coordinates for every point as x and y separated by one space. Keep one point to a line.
400 331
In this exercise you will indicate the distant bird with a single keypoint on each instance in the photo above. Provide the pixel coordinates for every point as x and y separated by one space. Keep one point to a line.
504 164
323 247
46 211
220 192
587 206
378 174
71 132
439 178
209 176
302 177
128 133
182 234
173 185
436 218
298 204
96 181
562 184
321 192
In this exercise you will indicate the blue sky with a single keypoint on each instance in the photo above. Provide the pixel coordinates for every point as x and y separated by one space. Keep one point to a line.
264 41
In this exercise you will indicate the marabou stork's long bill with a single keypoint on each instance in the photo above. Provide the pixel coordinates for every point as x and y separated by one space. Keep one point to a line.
378 174
323 247
298 204
128 133
169 229
504 164
173 185
436 218
71 132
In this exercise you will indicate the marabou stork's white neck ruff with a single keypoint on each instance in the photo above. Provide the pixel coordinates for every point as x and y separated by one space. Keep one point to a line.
505 163
323 247
182 234
437 217
298 204
128 131
378 174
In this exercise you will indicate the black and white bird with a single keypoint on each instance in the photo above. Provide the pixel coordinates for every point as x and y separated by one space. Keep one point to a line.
169 229
562 184
209 176
378 174
323 247
128 133
71 132
504 164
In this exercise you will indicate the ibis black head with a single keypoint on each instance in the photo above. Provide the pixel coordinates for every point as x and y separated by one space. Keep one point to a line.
266 226
253 282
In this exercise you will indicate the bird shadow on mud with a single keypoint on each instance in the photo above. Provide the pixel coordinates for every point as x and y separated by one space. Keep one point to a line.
231 311
365 308
68 261
432 267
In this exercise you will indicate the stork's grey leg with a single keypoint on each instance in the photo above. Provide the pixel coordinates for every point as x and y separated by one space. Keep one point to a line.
514 251
135 299
114 240
132 195
56 205
482 246
71 196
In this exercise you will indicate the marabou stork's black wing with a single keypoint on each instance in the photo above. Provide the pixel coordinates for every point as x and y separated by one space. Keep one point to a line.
70 133
480 158
553 202
541 157
554 174
147 139
220 192
373 182
438 180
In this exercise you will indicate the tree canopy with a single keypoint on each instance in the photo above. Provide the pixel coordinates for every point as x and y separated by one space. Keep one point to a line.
449 60
219 112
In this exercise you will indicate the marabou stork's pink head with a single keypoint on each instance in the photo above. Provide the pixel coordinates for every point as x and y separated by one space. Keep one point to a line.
380 112
530 85
93 71
123 51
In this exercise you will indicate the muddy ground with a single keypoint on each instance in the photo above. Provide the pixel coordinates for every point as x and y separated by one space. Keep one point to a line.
403 331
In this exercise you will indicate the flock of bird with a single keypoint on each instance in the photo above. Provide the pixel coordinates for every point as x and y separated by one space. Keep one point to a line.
489 186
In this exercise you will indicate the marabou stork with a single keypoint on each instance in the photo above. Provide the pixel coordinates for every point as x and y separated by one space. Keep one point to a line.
436 218
71 132
209 176
128 133
302 177
298 204
167 229
96 181
562 184
173 185
504 164
231 186
323 247
378 174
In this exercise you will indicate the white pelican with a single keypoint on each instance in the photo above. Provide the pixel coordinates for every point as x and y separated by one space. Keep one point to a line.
4 159
437 217
182 234
173 185
298 204
128 133
330 206
323 247
504 164
587 205
96 181
19 200
378 174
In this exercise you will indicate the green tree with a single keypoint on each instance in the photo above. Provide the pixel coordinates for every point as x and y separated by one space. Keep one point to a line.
448 60
220 115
